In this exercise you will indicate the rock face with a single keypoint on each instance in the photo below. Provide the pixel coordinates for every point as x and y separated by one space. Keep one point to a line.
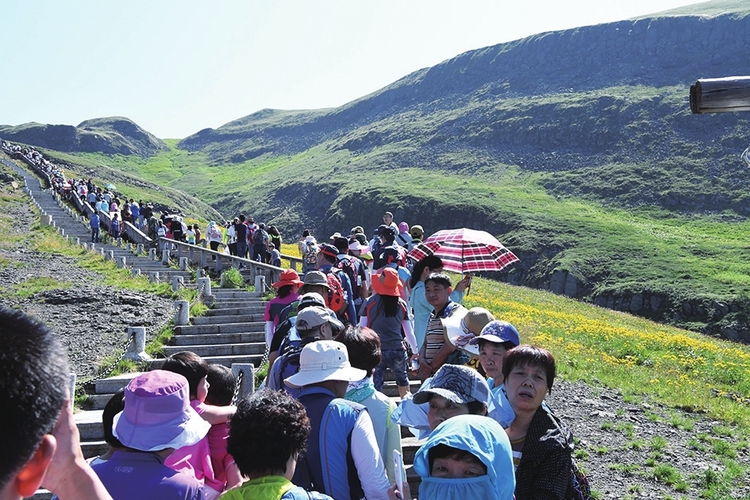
114 135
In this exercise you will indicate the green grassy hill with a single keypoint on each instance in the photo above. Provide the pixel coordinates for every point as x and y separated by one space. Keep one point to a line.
576 148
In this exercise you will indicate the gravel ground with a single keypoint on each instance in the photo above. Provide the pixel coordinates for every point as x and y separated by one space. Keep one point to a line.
89 318
618 441
626 449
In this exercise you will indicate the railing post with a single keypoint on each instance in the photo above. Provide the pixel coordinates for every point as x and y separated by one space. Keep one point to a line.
204 286
260 283
137 347
247 386
182 312
177 281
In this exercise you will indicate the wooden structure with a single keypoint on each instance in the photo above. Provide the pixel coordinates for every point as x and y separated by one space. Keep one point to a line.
720 95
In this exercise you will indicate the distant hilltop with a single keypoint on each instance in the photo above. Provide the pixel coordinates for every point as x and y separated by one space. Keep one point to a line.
112 135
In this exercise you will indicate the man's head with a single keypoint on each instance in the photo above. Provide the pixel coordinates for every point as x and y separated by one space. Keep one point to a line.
341 244
387 218
318 322
325 362
327 254
268 429
315 282
33 388
437 290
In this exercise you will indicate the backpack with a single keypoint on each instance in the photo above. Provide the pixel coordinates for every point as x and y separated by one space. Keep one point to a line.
289 361
336 295
581 487
291 339
114 228
260 237
310 254
350 268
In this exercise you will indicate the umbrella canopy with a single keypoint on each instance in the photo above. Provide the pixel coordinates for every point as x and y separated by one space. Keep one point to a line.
110 186
465 250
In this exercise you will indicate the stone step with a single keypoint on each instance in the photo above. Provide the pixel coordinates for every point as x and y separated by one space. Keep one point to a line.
227 360
110 385
225 293
89 424
257 326
222 338
235 311
220 350
236 303
238 318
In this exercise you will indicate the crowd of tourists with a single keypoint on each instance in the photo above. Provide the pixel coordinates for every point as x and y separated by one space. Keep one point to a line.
320 427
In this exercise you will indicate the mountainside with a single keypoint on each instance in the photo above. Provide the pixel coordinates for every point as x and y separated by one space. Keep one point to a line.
113 135
577 148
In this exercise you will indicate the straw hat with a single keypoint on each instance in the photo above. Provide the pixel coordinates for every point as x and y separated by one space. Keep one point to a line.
461 330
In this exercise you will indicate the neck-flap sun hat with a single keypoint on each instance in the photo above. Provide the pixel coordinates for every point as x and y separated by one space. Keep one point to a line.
387 282
456 383
324 360
287 277
158 414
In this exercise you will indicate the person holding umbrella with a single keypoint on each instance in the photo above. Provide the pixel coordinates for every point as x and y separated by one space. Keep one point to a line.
417 300
435 351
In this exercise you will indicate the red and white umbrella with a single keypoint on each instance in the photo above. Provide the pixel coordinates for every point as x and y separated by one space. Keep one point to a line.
465 251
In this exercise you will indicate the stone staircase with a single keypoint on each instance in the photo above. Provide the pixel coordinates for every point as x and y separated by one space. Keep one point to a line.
231 332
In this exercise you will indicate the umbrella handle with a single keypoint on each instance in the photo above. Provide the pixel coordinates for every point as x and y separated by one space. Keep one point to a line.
468 277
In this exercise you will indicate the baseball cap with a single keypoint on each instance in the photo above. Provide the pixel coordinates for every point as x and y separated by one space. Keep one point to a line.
312 317
498 332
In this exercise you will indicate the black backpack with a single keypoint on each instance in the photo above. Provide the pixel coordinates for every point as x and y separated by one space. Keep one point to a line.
347 265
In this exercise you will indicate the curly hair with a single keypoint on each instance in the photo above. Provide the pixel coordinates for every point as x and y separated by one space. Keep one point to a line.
268 428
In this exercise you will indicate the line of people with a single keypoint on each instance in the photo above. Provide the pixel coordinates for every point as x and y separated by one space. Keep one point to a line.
505 440
333 342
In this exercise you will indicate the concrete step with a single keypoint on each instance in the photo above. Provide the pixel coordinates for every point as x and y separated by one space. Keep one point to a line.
110 385
205 329
227 360
223 338
208 351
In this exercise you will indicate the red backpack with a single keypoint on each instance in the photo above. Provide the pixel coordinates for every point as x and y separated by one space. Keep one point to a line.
336 295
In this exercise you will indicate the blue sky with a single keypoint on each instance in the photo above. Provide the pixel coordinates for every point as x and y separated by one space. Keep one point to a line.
176 67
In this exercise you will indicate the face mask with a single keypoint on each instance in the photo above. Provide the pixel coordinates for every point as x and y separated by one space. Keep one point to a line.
461 489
